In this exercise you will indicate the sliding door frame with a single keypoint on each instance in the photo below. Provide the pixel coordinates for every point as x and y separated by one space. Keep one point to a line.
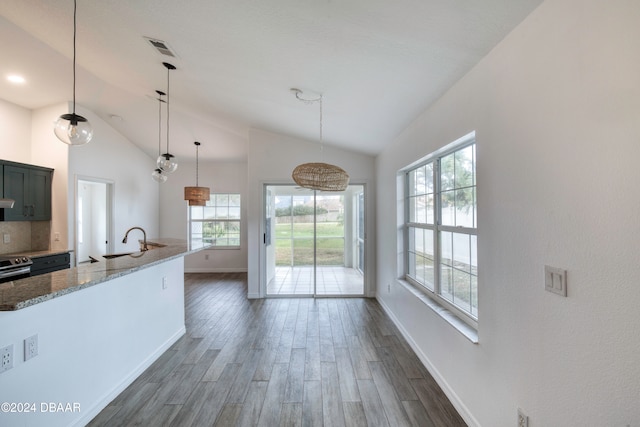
265 230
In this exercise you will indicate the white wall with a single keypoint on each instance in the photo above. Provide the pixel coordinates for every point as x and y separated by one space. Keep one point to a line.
110 156
15 124
272 158
220 178
556 108
91 344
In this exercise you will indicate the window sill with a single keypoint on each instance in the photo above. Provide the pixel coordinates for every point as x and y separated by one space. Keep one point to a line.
469 332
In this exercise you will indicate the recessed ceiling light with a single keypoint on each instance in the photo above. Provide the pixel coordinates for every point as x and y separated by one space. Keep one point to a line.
16 79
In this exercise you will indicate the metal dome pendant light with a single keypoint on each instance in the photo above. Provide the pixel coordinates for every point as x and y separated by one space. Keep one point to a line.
166 162
157 174
197 196
73 129
319 176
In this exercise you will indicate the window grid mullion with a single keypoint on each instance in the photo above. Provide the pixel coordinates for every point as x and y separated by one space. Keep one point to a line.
437 221
407 216
458 229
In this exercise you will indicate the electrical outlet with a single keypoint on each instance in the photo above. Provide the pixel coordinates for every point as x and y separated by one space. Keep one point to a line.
388 287
6 358
6 238
206 257
165 282
523 420
30 347
56 237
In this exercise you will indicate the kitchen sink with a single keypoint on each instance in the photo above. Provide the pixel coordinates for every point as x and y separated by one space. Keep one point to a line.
111 256
152 245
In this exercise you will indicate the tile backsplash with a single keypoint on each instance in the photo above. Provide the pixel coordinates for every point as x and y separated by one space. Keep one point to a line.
25 236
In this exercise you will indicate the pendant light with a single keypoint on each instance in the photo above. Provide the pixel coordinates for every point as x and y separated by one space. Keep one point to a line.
319 176
197 196
166 162
73 129
157 174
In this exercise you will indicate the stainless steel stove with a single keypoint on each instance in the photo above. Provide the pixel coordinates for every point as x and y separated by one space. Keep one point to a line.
14 268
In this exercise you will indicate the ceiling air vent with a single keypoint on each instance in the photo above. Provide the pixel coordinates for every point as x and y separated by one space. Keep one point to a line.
161 47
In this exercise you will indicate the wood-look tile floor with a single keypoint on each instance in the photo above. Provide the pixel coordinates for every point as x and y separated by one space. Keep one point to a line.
281 362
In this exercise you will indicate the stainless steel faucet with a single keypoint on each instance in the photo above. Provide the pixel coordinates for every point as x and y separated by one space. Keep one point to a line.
144 234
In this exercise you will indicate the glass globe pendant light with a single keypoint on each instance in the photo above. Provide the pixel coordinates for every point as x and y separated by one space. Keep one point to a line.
157 174
166 162
73 129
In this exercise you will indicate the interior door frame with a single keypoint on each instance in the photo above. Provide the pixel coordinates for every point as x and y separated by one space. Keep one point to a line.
110 191
262 261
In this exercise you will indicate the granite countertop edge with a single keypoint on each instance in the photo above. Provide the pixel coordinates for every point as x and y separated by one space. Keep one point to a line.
35 290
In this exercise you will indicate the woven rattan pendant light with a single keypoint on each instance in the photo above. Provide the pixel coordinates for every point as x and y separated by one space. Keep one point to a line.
197 196
319 176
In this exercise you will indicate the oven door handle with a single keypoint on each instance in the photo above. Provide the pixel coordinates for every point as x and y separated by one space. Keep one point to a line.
15 272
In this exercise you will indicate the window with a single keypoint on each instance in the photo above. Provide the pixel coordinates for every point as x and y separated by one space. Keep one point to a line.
441 227
217 223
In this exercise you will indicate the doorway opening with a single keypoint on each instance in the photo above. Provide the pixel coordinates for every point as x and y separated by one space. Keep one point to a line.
93 225
314 241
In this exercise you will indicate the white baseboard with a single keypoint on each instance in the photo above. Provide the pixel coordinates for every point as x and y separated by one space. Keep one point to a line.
448 391
215 270
126 382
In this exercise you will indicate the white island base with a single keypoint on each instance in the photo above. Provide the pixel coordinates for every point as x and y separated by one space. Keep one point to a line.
91 345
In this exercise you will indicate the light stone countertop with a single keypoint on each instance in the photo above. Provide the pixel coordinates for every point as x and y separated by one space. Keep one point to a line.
23 293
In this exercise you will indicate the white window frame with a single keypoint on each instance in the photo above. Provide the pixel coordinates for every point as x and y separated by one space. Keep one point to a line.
212 204
437 228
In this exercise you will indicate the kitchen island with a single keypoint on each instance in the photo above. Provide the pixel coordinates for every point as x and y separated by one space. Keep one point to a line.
34 290
98 327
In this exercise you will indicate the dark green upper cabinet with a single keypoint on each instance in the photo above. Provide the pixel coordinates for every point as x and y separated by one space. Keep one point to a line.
30 187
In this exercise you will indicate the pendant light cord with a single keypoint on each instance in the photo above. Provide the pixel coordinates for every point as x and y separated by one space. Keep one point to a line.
168 71
197 150
74 56
299 96
159 124
321 144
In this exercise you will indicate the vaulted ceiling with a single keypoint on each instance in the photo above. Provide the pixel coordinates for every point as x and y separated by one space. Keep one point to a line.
377 63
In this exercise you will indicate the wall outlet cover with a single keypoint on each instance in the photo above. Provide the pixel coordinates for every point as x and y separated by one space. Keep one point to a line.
6 358
523 420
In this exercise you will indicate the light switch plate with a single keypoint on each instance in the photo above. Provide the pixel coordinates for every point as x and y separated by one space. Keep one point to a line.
555 280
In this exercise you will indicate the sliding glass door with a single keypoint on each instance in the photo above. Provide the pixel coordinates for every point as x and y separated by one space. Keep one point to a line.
314 241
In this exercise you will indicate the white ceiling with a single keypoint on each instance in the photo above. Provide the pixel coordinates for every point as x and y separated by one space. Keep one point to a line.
378 64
